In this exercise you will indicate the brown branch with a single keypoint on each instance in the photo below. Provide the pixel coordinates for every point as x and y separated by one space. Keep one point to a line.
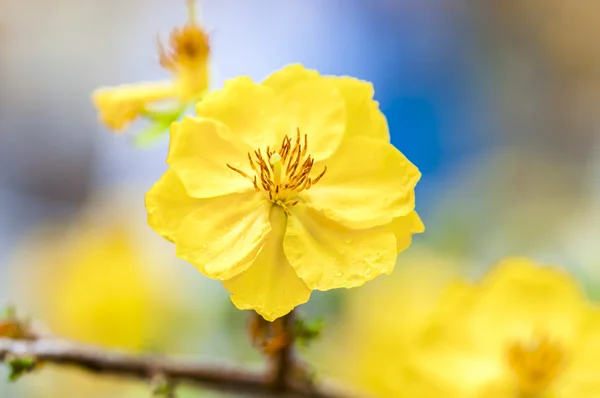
282 361
101 361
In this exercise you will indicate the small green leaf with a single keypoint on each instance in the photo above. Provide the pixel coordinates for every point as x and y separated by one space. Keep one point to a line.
164 116
163 388
307 331
151 134
160 122
20 366
9 313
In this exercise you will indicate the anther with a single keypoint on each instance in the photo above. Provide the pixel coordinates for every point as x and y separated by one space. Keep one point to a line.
239 171
282 172
319 176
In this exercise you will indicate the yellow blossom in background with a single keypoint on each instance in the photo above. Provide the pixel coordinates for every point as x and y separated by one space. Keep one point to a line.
525 331
186 58
95 279
285 187
97 287
372 346
100 294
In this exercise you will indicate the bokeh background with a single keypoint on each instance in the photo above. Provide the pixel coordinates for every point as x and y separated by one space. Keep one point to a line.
496 102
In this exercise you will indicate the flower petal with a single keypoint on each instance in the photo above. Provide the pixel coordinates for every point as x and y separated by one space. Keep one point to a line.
368 183
317 109
224 235
517 301
119 106
327 255
249 110
404 227
168 204
289 76
199 153
363 116
270 286
532 297
582 372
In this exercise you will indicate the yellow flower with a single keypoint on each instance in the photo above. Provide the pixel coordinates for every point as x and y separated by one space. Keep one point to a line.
95 285
526 331
99 279
285 187
372 347
186 58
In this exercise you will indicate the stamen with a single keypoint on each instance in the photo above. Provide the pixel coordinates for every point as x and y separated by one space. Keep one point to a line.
188 46
239 171
319 176
252 164
305 148
284 172
284 207
535 365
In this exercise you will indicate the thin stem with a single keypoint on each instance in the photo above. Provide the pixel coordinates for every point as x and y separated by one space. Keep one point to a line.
283 360
211 376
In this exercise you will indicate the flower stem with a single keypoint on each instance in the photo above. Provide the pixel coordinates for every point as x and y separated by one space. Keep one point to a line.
282 361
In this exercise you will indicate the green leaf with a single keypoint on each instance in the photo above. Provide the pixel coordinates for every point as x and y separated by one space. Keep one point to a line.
308 331
162 387
164 116
9 313
160 122
151 134
20 366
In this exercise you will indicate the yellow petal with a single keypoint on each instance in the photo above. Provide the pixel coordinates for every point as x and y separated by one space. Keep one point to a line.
460 373
582 370
224 235
199 153
119 106
316 107
327 255
289 76
363 117
270 286
404 227
517 301
368 183
519 297
249 110
168 204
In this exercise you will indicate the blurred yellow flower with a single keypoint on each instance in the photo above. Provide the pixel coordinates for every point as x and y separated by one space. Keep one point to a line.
525 331
96 287
186 58
95 279
285 187
372 346
90 278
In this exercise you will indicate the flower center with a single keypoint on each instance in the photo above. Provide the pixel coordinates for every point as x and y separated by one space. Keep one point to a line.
188 46
281 174
535 365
